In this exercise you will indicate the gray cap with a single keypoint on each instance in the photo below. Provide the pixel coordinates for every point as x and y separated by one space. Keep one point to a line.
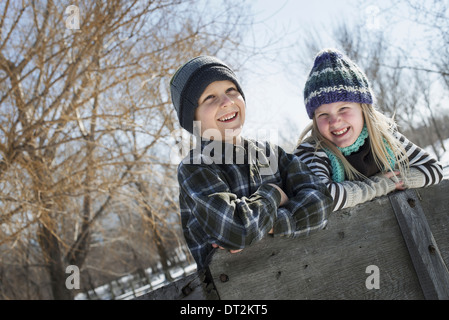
190 81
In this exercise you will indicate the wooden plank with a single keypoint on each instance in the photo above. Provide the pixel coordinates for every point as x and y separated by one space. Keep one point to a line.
428 263
330 264
435 204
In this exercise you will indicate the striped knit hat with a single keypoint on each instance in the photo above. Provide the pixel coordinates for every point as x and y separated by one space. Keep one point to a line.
334 78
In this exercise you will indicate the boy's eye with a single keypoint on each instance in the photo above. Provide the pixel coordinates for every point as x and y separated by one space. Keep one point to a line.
230 90
209 97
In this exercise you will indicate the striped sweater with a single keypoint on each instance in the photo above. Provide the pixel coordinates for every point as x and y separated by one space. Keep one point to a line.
424 171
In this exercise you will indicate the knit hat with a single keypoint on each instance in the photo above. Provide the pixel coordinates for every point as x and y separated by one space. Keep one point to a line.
190 81
334 78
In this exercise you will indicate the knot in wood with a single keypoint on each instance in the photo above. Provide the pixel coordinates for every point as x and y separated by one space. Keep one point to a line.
224 277
278 275
186 290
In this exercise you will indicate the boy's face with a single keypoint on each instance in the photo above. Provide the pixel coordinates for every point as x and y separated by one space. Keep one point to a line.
340 122
221 111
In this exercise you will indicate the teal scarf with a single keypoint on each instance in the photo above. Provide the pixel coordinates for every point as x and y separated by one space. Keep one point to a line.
338 172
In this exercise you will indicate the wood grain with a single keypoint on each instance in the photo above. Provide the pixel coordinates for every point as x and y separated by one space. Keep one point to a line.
331 264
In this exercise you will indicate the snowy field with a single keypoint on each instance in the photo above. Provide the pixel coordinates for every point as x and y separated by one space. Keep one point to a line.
444 159
127 287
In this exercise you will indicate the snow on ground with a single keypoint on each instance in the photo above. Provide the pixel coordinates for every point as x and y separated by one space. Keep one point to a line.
444 158
130 284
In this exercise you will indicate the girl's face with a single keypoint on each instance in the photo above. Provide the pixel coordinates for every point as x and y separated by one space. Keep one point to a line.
221 110
340 122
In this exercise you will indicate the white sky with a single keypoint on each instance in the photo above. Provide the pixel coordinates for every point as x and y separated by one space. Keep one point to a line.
274 101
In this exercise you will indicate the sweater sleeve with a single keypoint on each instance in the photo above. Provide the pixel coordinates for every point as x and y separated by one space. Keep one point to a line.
345 194
424 169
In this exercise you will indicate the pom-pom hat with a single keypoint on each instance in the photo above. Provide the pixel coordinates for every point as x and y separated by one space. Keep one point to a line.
335 78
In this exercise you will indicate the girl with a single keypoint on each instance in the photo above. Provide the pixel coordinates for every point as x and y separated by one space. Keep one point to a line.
352 147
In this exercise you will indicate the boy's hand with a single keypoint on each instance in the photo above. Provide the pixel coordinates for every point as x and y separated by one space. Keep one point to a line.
284 198
214 245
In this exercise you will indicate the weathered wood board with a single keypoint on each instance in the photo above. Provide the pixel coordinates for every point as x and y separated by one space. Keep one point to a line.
435 203
332 264
424 251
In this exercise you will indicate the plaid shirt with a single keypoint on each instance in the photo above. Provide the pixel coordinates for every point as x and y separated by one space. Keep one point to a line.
225 197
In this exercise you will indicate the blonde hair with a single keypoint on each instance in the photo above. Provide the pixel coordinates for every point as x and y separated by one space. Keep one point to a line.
380 130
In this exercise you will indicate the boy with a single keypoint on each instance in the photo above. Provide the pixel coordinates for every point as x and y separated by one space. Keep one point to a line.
234 191
355 149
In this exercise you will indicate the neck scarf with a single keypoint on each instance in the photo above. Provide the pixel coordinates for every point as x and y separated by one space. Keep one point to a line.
338 172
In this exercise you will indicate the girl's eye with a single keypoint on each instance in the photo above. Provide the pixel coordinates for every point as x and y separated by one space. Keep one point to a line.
231 90
322 115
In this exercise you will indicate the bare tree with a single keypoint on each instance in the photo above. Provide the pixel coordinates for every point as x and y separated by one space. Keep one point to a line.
71 102
396 78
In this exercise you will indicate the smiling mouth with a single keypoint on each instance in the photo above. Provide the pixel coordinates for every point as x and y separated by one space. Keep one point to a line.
340 132
228 117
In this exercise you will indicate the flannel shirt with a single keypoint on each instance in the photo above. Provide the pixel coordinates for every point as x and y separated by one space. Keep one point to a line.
225 197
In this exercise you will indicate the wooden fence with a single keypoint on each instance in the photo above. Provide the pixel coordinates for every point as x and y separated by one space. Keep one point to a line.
394 247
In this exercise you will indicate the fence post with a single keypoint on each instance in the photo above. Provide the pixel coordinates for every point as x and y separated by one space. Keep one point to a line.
426 257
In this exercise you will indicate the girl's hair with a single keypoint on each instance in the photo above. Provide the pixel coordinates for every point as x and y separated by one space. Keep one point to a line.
380 130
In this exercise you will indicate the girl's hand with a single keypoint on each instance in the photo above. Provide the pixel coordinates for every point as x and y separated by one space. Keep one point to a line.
394 175
214 245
